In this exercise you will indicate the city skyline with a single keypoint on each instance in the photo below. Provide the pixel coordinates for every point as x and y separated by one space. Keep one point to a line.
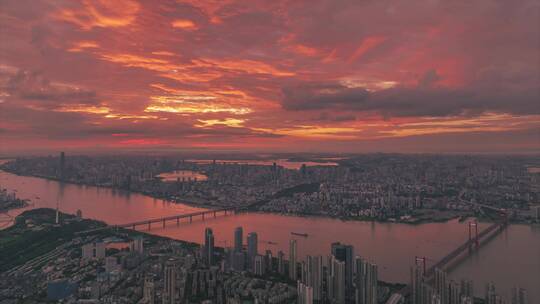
280 76
270 151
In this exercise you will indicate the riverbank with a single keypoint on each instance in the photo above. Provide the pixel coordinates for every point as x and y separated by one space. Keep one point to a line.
36 241
35 233
195 202
440 216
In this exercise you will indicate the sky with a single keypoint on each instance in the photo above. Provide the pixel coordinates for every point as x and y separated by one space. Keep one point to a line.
416 76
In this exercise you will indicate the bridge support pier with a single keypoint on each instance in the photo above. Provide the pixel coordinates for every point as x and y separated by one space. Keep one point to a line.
163 223
177 221
191 218
214 213
133 227
203 216
149 223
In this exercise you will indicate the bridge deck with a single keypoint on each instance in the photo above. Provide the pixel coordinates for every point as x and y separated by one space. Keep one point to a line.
456 252
160 220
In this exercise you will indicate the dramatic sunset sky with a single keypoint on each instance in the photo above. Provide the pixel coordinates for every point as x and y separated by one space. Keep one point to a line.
276 75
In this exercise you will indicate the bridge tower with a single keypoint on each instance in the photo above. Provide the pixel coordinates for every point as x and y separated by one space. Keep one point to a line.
475 225
423 260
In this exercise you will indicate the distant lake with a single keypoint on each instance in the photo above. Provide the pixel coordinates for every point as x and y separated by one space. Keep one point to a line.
182 175
285 163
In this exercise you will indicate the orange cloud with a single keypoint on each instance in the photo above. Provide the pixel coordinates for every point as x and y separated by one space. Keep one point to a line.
184 24
101 13
192 104
229 122
243 65
82 45
81 108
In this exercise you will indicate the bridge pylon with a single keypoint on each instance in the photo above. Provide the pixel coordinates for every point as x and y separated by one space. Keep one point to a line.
423 260
476 241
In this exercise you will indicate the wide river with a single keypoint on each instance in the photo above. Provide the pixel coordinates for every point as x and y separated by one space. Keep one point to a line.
510 259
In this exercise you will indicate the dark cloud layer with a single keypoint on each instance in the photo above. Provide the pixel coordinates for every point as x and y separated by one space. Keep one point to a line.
410 102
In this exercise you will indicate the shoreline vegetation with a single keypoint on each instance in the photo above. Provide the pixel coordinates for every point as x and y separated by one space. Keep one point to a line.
35 233
200 203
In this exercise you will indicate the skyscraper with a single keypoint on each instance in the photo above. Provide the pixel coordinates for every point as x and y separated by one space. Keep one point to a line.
441 285
259 267
281 262
252 248
519 296
238 239
208 253
336 280
345 253
149 292
137 245
417 281
169 288
314 276
466 288
269 261
62 165
293 275
305 293
365 282
454 296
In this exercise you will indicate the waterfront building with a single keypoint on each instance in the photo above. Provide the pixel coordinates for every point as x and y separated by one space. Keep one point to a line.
281 263
336 281
252 248
345 253
137 245
238 239
365 282
417 282
454 296
293 275
441 285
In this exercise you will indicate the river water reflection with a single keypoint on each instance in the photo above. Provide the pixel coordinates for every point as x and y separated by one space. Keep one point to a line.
512 258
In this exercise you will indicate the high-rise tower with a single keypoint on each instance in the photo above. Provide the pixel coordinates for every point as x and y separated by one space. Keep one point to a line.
208 253
252 248
238 239
293 275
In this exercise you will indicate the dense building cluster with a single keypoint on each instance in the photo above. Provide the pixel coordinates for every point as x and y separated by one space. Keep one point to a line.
384 187
441 290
